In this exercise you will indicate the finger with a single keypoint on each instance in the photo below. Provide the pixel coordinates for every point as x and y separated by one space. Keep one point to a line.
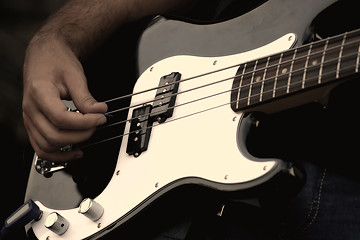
81 96
50 105
37 140
52 138
56 155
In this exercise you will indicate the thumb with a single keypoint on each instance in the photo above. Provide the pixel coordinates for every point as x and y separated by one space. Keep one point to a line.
85 102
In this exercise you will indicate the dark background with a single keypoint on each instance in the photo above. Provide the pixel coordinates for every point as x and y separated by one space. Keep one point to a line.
19 20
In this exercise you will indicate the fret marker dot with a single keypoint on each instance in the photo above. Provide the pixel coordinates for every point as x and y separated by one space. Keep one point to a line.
314 62
284 70
257 79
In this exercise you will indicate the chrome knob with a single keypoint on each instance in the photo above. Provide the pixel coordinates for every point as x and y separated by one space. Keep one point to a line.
91 209
57 223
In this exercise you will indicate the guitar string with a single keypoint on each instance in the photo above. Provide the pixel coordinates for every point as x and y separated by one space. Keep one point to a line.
226 79
178 82
236 65
294 72
248 73
198 112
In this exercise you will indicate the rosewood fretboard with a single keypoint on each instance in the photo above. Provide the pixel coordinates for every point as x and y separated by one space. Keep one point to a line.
296 70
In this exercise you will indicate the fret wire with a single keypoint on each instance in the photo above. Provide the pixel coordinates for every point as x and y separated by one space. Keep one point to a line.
329 73
298 70
287 61
352 33
314 51
179 105
322 61
241 80
310 54
290 71
252 81
277 73
263 80
348 43
357 63
171 120
306 67
357 60
339 58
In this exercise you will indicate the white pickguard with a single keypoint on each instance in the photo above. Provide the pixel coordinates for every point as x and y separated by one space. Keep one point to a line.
203 145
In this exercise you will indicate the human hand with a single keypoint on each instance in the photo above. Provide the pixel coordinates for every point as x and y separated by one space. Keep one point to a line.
52 72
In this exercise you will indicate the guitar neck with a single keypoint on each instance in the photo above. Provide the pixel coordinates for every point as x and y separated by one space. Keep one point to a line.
296 70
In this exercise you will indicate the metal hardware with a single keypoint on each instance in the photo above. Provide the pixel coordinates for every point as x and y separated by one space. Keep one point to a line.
57 223
91 209
220 213
45 167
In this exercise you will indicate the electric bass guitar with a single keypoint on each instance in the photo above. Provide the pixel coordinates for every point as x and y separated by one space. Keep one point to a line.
190 114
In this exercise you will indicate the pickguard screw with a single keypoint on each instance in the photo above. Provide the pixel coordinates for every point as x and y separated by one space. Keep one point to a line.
151 69
215 62
99 225
118 172
290 38
226 177
157 185
234 119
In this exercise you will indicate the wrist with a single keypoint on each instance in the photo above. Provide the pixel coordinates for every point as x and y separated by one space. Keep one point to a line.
50 40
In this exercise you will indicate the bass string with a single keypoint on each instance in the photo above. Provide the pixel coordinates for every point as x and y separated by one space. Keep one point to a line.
229 90
180 81
194 113
260 69
230 78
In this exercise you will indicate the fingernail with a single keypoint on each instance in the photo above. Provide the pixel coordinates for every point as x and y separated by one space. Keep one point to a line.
101 120
103 105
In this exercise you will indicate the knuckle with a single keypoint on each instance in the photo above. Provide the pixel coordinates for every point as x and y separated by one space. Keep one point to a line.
24 116
43 154
25 105
46 156
58 120
86 102
33 87
51 144
48 147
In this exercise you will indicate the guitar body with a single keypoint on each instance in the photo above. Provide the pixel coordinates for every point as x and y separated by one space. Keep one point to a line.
202 141
265 24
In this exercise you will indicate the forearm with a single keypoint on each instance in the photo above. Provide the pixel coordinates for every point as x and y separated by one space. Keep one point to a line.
52 70
83 24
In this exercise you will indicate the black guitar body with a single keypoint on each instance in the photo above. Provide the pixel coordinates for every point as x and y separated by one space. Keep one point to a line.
262 135
264 24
